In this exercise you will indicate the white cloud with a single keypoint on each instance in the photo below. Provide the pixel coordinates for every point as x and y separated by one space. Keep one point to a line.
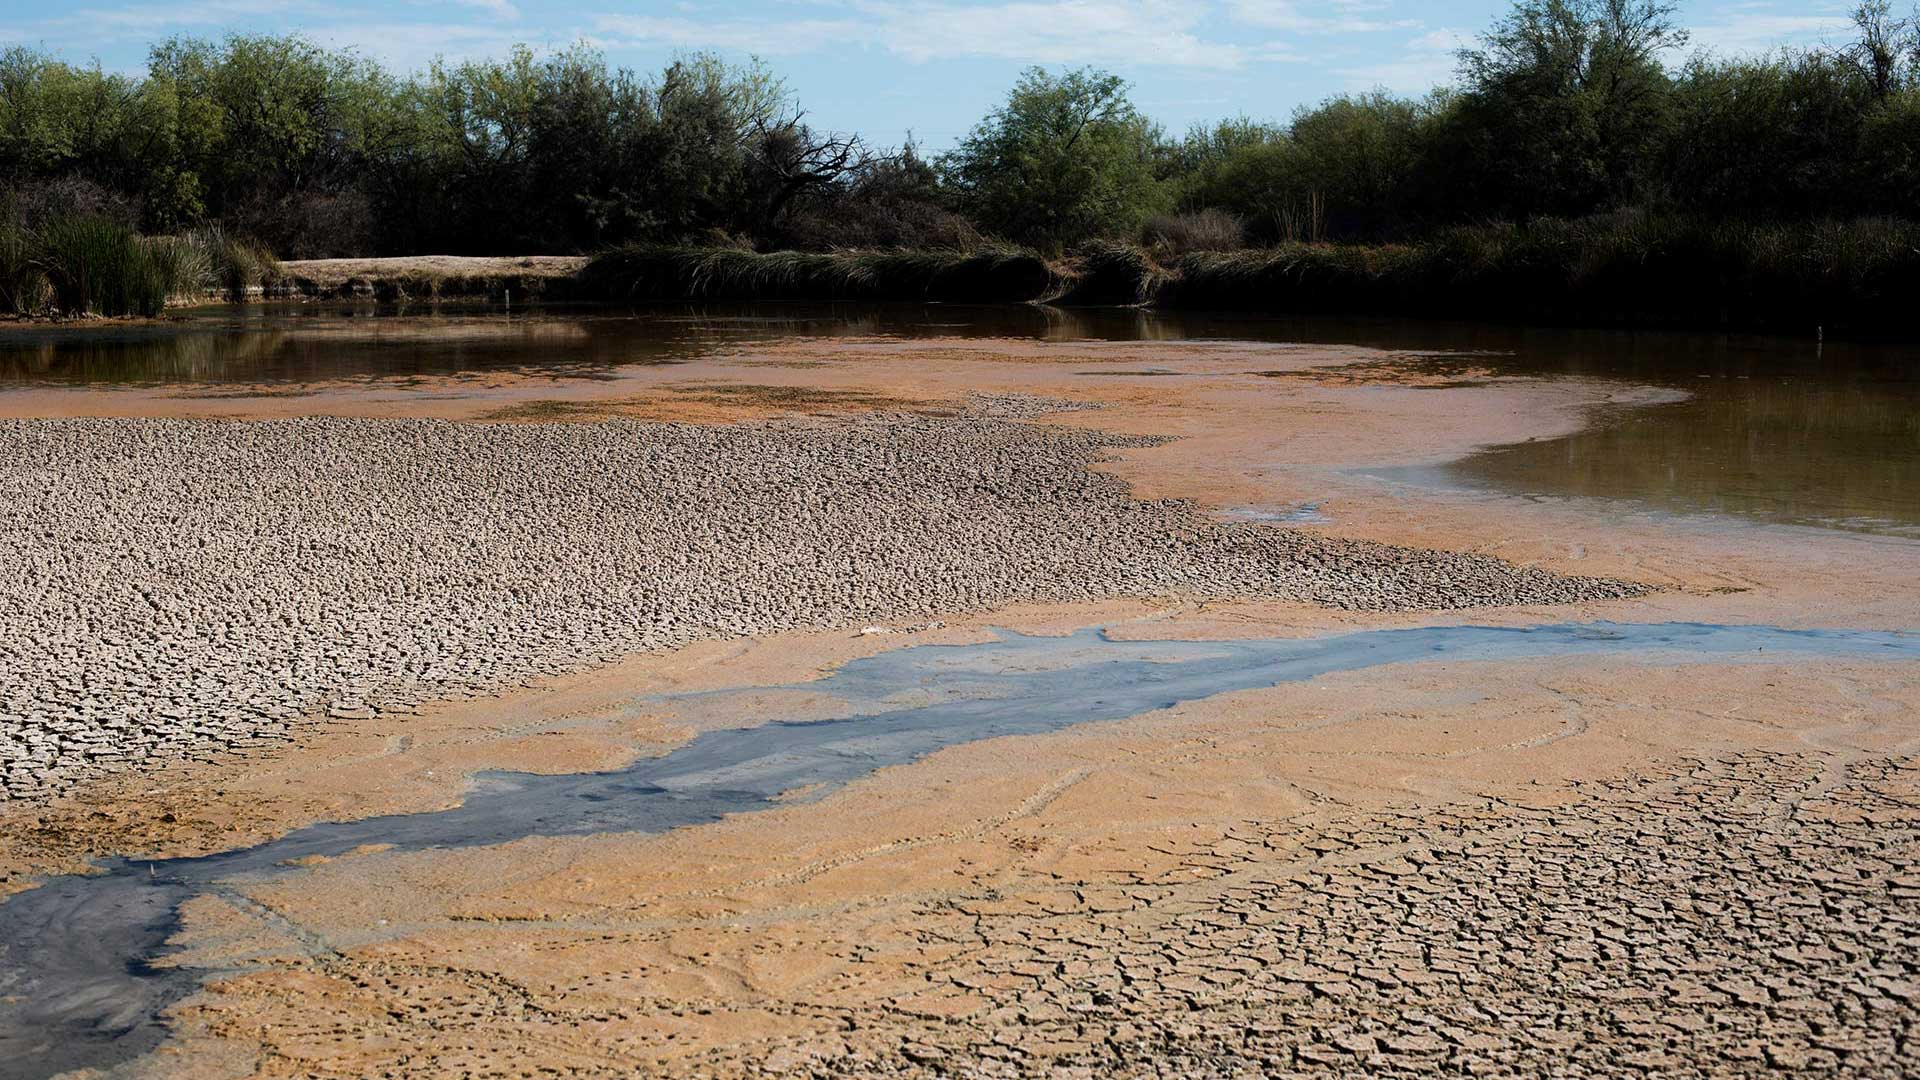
499 8
1328 18
1756 28
1444 40
761 37
412 46
402 45
1061 31
1281 52
1140 32
146 19
1423 62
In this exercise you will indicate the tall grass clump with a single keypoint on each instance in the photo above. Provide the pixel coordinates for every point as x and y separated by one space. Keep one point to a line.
184 264
98 267
1107 272
665 273
23 284
1297 277
86 264
238 265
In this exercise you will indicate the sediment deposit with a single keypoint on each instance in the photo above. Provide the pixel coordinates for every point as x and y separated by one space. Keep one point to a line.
1716 919
176 587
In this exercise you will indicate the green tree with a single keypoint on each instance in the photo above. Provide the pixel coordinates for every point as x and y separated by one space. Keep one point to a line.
1362 155
478 120
1350 166
1768 136
41 113
251 122
1207 146
1066 158
1565 106
1887 164
1211 164
689 157
1887 50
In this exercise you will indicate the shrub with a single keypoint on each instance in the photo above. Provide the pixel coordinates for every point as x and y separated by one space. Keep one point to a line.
73 195
308 225
863 224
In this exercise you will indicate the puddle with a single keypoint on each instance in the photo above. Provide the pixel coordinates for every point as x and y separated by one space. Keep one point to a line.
1831 443
1284 514
79 985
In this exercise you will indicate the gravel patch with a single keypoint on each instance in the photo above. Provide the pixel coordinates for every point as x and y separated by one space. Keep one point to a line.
180 588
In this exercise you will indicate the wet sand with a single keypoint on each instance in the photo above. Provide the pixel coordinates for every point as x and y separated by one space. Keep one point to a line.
1570 864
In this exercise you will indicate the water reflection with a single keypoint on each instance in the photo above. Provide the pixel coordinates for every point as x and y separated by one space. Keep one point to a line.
333 341
1800 436
324 343
1770 428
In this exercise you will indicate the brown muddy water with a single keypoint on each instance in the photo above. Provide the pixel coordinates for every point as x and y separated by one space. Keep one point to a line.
1765 429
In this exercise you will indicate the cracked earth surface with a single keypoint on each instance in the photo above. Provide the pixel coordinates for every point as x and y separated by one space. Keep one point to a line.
1593 871
1721 918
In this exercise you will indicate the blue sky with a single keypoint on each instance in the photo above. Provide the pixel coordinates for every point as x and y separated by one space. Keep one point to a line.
883 67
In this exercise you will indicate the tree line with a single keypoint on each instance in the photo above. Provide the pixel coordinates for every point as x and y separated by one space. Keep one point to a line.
1563 109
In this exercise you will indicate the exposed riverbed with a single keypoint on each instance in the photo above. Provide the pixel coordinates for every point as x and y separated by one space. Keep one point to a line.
711 805
77 955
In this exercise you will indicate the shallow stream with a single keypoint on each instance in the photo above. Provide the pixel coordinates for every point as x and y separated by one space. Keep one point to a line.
84 977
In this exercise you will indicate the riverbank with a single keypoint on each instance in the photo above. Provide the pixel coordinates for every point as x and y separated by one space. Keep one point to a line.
1812 280
429 277
1807 280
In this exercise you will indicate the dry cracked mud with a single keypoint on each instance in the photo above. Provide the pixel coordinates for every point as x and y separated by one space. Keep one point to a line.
1715 875
180 588
1728 917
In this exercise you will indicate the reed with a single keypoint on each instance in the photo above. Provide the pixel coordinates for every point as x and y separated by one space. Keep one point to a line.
23 284
1108 273
97 267
86 264
238 265
183 264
